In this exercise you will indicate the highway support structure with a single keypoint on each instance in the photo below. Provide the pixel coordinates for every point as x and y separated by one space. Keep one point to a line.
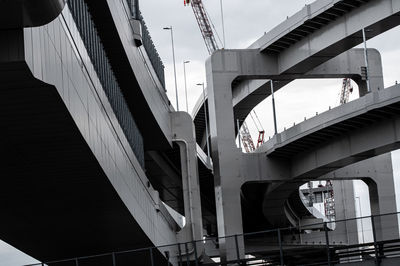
249 93
49 67
272 168
228 68
72 143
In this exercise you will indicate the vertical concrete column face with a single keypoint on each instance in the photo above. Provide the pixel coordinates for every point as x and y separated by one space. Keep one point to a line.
377 173
383 197
375 72
184 135
221 70
345 232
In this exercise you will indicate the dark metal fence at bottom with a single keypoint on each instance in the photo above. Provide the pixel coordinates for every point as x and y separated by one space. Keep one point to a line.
369 239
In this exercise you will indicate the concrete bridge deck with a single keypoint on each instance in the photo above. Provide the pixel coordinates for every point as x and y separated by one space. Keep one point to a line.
73 184
347 134
352 116
227 69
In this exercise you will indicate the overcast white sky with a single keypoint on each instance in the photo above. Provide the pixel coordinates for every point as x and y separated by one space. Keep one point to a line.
245 21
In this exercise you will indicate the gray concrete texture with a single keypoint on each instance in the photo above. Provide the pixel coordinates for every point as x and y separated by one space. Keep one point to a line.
55 57
25 13
60 68
225 69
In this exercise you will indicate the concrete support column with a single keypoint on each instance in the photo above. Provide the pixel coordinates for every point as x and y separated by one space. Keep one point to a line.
184 135
345 232
226 157
383 198
377 173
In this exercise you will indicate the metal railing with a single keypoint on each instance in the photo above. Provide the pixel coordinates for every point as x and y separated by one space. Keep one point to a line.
313 244
148 44
152 52
134 8
102 66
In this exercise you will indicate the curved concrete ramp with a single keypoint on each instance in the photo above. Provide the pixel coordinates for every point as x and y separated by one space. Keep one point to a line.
27 13
71 184
342 136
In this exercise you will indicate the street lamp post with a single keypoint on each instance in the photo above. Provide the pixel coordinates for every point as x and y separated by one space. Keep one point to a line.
362 225
223 24
366 58
173 57
273 107
184 76
206 120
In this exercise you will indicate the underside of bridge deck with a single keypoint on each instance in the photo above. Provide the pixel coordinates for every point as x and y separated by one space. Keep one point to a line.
57 202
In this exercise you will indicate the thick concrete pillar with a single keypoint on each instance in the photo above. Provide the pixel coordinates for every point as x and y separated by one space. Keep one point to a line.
222 68
345 232
184 135
383 197
377 173
226 157
228 179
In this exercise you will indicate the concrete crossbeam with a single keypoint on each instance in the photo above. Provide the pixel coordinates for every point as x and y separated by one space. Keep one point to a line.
249 93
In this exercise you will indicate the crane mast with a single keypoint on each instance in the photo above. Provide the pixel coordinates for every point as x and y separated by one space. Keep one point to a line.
347 88
261 131
246 138
245 135
204 25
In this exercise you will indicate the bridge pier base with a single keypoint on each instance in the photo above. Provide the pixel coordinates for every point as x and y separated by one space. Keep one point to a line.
377 173
227 160
184 136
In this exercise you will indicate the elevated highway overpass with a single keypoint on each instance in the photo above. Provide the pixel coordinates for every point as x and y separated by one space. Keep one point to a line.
352 132
249 93
93 148
81 105
329 29
336 19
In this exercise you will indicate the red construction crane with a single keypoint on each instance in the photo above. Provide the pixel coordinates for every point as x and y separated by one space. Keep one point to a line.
261 131
347 88
247 140
204 24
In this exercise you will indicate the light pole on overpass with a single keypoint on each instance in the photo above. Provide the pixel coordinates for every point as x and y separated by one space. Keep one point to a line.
223 24
184 76
273 107
173 57
366 57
